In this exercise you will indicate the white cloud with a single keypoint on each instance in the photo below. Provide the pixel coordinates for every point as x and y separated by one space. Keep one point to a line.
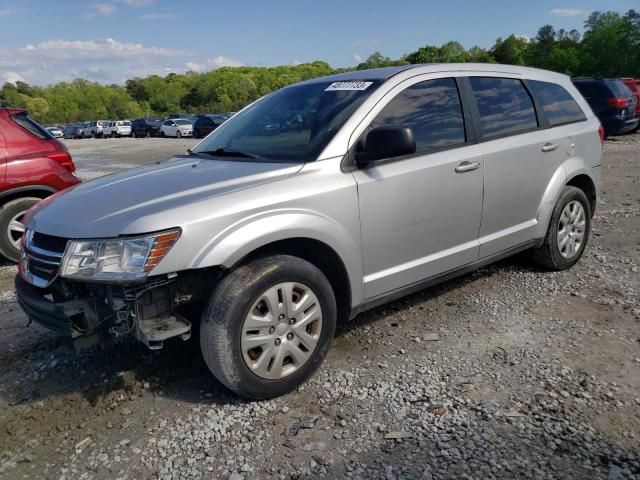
212 64
567 12
12 77
104 9
105 61
158 16
357 58
5 12
138 3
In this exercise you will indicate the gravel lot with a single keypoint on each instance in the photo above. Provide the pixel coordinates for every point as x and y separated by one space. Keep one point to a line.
508 372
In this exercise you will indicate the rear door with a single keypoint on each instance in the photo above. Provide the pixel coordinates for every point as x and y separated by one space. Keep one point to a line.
420 213
521 156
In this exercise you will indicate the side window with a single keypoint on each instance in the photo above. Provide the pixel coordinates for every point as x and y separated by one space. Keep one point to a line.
558 105
505 106
432 109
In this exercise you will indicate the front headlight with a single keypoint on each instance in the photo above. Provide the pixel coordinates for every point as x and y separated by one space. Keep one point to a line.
116 259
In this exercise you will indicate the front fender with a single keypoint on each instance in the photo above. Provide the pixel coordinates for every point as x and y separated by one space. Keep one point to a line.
240 239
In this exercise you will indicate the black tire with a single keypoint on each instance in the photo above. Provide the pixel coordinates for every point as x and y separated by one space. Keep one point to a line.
222 322
548 254
7 212
162 133
178 134
82 136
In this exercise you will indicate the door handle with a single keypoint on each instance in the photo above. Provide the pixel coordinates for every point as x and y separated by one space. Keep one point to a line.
467 166
549 147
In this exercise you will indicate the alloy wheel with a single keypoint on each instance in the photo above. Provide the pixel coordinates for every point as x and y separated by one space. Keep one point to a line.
15 229
571 229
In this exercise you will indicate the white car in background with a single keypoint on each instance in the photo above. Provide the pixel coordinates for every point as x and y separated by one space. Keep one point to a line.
96 128
120 128
176 127
55 131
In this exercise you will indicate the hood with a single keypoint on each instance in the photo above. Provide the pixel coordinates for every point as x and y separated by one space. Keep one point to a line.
109 206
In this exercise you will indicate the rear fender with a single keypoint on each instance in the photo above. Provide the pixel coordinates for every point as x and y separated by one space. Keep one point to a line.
571 168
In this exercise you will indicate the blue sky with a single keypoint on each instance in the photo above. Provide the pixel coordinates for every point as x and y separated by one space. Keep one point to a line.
112 40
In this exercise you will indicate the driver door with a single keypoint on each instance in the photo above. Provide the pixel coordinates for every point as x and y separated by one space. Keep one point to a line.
420 214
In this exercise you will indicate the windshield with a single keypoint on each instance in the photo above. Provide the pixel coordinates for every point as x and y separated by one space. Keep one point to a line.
293 124
182 122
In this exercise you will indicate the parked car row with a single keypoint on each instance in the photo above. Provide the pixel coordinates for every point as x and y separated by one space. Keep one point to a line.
174 125
615 101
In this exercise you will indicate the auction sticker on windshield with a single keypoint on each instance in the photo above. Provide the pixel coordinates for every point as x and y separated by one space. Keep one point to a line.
336 86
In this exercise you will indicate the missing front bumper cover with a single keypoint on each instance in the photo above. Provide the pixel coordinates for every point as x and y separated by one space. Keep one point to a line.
146 313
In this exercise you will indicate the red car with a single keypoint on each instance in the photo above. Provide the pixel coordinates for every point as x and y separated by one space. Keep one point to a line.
33 165
634 86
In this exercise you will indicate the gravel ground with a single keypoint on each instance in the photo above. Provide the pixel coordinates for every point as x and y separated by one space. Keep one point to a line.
508 372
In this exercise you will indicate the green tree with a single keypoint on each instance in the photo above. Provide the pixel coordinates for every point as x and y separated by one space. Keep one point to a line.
377 60
510 50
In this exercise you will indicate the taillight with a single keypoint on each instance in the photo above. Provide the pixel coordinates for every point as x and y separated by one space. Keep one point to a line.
601 133
64 159
618 102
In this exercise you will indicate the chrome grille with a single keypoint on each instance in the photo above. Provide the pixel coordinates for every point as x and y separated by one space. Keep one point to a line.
40 266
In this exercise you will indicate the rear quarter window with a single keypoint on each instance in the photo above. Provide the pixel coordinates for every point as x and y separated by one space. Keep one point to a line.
504 105
26 122
558 105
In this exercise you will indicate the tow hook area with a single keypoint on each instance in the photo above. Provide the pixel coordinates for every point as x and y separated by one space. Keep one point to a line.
155 319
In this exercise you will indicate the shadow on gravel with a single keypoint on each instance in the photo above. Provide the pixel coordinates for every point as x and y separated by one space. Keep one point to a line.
178 371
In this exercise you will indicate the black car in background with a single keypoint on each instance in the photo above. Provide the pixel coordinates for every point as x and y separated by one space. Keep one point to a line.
188 116
146 127
72 131
611 101
207 123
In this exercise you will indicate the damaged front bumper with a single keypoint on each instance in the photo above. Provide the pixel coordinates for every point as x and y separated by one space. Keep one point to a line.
90 314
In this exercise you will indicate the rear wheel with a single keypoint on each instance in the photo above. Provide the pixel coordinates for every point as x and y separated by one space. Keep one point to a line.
162 133
568 231
11 226
268 326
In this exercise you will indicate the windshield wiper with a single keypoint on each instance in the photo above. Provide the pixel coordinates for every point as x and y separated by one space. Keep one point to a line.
223 152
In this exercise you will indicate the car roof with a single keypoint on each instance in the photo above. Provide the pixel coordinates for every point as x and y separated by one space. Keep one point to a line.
417 69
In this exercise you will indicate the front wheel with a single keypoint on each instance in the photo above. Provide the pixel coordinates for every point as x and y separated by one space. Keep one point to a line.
178 134
11 226
568 231
268 326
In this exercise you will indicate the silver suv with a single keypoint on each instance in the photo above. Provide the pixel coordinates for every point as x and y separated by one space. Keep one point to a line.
314 203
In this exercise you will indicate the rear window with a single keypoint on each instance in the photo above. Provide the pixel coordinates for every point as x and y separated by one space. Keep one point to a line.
592 89
25 121
619 89
505 106
558 105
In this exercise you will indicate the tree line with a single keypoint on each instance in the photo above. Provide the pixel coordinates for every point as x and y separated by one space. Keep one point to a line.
609 47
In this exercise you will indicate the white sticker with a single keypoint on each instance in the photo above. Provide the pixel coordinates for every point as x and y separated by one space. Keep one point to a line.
338 86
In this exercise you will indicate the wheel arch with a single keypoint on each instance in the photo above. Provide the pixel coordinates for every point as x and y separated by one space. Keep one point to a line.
575 172
319 254
585 183
308 235
38 191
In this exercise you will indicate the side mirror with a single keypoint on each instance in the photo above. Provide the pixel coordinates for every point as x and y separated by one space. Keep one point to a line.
385 142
